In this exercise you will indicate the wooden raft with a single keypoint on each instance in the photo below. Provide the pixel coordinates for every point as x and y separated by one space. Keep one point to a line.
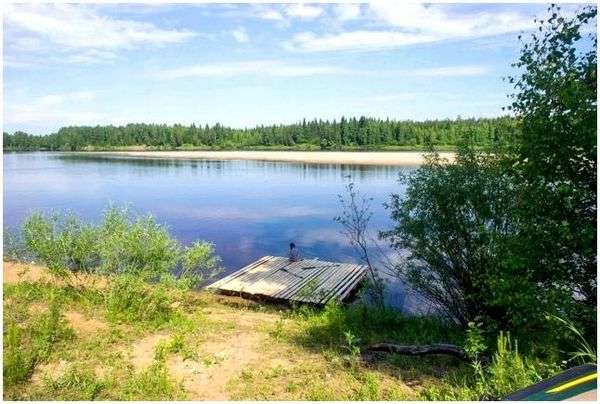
307 281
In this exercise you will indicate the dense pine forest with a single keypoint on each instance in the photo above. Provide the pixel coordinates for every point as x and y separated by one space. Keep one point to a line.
345 134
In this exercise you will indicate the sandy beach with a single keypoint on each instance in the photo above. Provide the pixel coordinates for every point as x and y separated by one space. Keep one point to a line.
358 158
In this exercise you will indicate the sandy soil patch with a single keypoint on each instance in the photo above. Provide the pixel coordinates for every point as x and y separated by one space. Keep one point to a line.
358 158
221 360
13 272
83 325
38 308
241 319
142 352
50 370
226 355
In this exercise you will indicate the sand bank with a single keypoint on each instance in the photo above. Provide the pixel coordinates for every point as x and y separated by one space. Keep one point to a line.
358 158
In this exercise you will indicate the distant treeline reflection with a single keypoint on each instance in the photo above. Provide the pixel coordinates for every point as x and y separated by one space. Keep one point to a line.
222 166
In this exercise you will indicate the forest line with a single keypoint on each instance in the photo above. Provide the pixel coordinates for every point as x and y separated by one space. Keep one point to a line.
346 134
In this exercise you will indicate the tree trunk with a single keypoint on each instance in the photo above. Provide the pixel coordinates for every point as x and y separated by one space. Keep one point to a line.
433 349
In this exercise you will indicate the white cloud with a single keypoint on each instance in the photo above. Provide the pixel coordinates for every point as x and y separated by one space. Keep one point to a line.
79 29
91 56
271 15
255 67
347 11
411 24
303 11
57 99
387 97
63 109
240 35
435 19
450 71
355 40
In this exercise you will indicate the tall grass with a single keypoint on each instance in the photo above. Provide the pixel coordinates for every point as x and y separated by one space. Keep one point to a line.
26 344
370 324
509 370
131 299
584 351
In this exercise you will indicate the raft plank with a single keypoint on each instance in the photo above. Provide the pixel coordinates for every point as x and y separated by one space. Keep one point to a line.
334 275
239 272
351 285
315 275
276 278
335 287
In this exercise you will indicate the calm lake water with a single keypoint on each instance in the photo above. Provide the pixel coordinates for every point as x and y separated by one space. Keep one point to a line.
248 209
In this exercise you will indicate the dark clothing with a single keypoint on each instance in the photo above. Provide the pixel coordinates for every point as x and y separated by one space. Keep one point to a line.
294 255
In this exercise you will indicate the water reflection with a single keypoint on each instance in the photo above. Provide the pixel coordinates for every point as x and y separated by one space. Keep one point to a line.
249 209
308 170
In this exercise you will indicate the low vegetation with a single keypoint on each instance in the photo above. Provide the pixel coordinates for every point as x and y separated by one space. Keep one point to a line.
74 342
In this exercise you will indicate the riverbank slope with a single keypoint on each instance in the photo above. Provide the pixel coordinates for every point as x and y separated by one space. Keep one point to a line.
199 346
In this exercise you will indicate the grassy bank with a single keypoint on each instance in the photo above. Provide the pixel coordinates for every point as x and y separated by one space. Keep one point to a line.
104 339
119 339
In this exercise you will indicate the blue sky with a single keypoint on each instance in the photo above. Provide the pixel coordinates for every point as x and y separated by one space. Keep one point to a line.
243 65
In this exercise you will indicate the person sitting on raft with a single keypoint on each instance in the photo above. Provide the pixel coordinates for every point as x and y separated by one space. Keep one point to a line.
294 255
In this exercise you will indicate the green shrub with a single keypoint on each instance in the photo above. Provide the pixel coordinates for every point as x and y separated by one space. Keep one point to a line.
151 384
31 342
120 244
19 361
369 389
39 235
199 263
14 247
139 246
49 329
75 384
176 345
79 242
508 371
131 299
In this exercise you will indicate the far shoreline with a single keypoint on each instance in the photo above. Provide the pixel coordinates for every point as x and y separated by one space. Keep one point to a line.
374 158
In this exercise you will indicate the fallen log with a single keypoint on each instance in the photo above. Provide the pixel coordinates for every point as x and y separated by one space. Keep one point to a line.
433 349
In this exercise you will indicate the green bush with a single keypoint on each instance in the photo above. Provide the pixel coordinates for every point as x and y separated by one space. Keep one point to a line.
49 329
41 238
14 248
509 234
131 299
139 246
199 263
120 244
508 371
151 384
